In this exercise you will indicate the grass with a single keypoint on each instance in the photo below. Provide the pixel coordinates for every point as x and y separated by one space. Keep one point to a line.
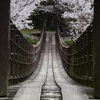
28 31
68 42
33 41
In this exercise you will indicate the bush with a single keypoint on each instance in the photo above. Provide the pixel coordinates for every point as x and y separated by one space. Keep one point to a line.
68 42
33 41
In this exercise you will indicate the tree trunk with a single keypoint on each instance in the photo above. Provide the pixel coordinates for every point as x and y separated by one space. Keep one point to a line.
96 48
4 45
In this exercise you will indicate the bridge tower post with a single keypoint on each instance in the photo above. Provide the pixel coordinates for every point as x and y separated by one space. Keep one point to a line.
96 48
4 45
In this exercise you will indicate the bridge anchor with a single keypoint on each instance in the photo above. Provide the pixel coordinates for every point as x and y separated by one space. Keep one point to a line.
4 45
96 48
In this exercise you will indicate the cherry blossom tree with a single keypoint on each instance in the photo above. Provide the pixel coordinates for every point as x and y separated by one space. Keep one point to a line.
82 12
20 10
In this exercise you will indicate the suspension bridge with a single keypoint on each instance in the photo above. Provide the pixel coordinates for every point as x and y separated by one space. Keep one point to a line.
48 70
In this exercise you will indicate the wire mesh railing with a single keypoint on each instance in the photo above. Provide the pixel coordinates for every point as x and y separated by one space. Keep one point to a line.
78 58
24 56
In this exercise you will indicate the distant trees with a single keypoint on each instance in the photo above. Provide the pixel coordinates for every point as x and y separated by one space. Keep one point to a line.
54 9
73 14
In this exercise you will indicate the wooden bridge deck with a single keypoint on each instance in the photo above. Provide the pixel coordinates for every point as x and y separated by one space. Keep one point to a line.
31 88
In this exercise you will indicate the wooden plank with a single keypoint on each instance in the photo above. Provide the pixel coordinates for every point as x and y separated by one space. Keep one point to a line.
70 91
32 90
4 45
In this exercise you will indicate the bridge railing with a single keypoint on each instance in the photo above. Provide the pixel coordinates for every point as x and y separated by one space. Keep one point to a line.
24 56
78 58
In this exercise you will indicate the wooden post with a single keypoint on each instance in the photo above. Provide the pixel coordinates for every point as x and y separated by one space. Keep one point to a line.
4 45
96 48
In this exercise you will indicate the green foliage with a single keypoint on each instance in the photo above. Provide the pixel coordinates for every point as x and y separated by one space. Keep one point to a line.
66 27
92 5
68 42
33 41
40 14
49 2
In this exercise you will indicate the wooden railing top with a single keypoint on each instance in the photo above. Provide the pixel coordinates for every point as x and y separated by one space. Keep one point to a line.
61 42
64 45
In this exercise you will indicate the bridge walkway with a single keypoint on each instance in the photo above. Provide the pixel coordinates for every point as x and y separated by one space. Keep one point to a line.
50 75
